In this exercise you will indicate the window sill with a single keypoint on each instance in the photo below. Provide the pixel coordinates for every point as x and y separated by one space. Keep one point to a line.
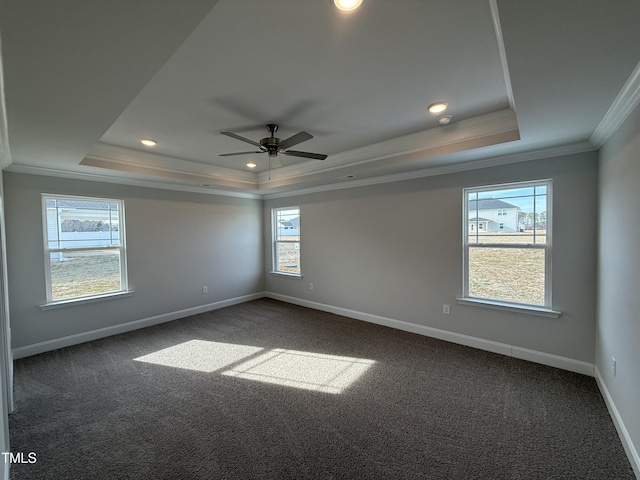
526 309
84 300
283 274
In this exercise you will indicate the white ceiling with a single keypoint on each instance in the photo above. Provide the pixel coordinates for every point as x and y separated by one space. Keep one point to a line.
84 80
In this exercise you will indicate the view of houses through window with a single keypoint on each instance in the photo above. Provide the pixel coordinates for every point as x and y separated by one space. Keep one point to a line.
84 246
507 243
286 240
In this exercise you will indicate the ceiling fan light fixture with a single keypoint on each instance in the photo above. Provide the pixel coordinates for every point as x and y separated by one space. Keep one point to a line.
438 107
148 142
347 5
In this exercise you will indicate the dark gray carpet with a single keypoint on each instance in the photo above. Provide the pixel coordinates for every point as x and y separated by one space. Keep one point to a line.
426 409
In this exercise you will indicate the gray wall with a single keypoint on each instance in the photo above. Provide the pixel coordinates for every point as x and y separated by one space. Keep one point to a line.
618 329
6 370
176 243
394 250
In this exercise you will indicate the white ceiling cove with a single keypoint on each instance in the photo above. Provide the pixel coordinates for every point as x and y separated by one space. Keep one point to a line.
85 80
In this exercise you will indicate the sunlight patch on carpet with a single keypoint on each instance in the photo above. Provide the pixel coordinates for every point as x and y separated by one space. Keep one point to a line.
309 371
291 368
200 355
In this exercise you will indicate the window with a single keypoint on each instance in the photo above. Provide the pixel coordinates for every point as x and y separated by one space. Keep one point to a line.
84 247
508 261
286 240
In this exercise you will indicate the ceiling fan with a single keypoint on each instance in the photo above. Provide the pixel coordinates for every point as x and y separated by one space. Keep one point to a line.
274 146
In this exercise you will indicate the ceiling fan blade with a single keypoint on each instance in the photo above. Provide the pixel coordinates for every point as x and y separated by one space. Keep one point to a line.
242 139
315 156
276 162
238 153
296 139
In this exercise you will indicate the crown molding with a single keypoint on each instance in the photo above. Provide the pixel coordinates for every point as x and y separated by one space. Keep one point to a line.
495 16
92 177
5 152
551 152
626 101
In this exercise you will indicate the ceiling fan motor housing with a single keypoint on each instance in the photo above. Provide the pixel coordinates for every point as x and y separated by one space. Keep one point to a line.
270 145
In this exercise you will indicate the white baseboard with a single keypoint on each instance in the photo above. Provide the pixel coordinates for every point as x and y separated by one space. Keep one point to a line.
625 438
563 363
49 345
469 341
548 359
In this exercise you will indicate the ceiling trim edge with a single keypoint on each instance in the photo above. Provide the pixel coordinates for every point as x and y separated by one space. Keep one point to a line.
444 169
495 16
180 175
31 170
5 152
626 101
137 159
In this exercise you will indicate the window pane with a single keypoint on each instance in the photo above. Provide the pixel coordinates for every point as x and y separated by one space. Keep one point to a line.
288 257
507 193
540 226
474 224
288 224
81 223
92 272
518 212
286 240
507 274
540 189
492 215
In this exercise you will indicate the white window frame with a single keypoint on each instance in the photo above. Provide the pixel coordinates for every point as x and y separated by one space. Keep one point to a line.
121 247
542 310
276 242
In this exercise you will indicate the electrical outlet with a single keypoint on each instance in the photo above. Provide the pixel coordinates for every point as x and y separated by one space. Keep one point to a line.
613 366
205 289
311 286
446 309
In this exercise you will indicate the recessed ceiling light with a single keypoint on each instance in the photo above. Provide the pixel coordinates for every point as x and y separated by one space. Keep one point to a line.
251 165
148 142
347 5
444 119
438 107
